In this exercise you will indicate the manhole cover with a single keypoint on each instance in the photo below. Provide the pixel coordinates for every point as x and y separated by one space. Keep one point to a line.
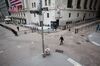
78 43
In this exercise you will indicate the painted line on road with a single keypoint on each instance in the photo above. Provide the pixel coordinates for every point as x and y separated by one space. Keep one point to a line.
73 62
1 51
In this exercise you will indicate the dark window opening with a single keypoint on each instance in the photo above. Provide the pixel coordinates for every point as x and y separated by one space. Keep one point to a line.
85 4
90 6
78 4
47 15
69 15
95 4
6 3
45 2
77 14
69 4
34 4
84 16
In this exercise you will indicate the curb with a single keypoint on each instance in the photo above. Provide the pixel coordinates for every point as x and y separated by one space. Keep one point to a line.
14 32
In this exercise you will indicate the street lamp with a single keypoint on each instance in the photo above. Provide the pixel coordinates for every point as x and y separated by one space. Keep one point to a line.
41 17
41 22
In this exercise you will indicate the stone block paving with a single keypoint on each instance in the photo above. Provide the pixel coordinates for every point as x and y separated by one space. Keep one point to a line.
75 45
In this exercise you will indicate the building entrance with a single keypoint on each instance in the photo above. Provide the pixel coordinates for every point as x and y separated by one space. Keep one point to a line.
54 24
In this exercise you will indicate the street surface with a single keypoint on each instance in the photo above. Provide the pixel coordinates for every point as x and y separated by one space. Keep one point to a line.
21 50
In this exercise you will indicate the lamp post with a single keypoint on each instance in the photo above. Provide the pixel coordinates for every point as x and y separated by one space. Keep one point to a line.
41 17
41 21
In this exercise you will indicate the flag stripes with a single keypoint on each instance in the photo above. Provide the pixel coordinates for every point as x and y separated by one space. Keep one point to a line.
15 5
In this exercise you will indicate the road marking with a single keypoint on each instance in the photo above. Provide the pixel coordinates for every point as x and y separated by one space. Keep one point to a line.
73 62
1 51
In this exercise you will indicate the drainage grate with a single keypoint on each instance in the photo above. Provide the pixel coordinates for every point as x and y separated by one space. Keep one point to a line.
59 51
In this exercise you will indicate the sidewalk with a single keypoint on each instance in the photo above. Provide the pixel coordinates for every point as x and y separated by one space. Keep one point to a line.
77 29
15 27
22 30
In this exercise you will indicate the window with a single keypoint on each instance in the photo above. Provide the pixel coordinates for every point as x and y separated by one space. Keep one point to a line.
91 1
33 5
95 4
45 2
24 14
47 15
85 4
78 4
77 14
69 4
49 2
69 15
84 16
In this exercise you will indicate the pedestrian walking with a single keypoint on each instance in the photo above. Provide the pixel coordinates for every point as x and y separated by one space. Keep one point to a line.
17 28
61 40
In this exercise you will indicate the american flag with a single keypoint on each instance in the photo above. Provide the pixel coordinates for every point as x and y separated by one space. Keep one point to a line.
15 5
